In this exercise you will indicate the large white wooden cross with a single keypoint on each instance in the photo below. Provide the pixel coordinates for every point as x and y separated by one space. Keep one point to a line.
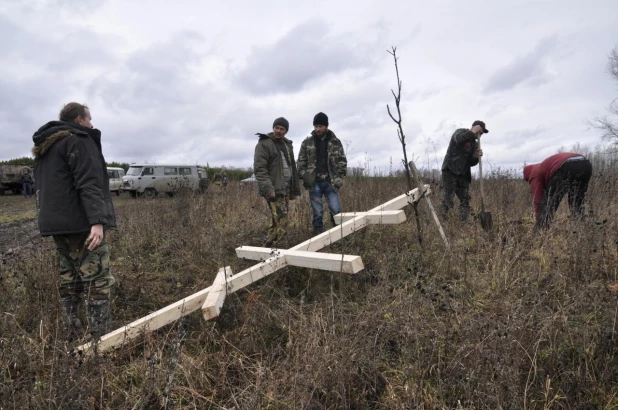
271 260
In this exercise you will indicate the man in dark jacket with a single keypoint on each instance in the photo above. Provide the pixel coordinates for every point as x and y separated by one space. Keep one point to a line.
26 183
322 165
461 155
560 174
75 207
277 178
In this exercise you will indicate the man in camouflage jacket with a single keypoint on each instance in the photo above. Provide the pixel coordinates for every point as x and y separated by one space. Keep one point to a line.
462 154
277 178
322 165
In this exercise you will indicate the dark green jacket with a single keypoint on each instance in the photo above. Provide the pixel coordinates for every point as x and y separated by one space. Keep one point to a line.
461 154
71 181
26 178
307 161
268 167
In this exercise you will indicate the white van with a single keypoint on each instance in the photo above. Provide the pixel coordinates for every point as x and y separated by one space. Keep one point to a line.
153 179
115 179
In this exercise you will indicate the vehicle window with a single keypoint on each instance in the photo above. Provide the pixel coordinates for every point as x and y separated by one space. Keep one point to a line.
115 174
110 174
148 171
184 171
170 171
134 171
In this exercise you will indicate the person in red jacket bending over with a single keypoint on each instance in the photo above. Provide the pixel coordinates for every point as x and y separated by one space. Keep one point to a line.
560 174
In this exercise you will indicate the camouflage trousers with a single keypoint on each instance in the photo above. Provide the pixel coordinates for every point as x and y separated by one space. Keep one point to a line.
83 273
452 185
279 208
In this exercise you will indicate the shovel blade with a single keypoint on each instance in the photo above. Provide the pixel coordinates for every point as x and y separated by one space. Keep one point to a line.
486 220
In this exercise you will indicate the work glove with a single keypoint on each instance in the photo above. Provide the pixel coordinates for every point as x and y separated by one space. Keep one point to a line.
337 183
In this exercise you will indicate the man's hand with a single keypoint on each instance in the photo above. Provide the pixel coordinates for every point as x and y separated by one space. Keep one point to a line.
337 183
272 195
479 152
95 238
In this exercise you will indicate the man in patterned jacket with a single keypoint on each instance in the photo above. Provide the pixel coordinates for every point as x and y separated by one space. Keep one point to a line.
462 154
322 165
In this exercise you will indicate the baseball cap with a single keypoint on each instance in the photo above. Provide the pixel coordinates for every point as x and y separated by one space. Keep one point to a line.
482 124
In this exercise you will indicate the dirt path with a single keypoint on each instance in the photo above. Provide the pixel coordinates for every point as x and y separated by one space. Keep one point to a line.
15 235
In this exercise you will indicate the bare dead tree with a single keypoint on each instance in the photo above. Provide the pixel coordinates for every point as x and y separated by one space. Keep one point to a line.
608 124
402 140
412 173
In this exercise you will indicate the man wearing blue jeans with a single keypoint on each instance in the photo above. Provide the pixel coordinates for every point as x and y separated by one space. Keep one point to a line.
322 165
26 183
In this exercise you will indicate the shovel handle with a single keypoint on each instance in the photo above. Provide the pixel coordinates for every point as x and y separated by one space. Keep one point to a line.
481 179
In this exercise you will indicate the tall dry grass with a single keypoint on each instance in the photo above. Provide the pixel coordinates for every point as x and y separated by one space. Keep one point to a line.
507 320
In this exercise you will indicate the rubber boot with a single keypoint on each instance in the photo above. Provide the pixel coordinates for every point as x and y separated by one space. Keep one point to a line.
72 324
98 317
317 231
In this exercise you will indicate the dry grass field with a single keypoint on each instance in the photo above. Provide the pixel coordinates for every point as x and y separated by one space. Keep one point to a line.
508 319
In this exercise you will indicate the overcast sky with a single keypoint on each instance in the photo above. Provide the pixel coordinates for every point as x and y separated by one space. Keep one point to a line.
193 81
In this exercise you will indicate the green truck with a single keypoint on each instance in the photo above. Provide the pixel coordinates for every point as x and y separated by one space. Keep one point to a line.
10 177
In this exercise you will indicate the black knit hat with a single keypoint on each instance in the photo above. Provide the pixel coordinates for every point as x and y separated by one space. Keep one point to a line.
282 122
320 119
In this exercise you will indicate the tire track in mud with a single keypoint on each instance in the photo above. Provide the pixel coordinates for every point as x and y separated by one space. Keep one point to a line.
17 235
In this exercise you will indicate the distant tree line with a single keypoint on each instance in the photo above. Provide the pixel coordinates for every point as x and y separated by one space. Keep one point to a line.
18 161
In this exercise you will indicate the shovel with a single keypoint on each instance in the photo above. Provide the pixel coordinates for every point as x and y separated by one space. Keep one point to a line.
486 221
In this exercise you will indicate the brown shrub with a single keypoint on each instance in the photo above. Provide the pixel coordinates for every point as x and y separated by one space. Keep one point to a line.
508 320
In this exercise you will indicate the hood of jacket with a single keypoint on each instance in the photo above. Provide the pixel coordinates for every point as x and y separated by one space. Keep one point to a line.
53 131
272 137
528 172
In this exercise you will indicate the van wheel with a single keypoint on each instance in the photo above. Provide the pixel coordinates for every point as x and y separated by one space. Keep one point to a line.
1 192
149 193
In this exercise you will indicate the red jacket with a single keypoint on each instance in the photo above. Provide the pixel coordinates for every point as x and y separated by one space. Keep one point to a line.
538 175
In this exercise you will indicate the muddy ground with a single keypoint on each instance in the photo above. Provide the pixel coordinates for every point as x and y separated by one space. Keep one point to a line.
18 227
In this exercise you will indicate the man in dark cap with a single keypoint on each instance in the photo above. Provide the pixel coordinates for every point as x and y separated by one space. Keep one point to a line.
322 165
276 175
462 154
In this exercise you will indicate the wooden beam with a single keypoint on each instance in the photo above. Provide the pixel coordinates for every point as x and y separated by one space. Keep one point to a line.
336 233
417 179
313 260
374 218
214 301
152 322
244 278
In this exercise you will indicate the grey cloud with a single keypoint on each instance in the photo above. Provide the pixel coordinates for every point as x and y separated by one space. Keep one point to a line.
69 5
529 69
519 138
157 75
306 53
24 100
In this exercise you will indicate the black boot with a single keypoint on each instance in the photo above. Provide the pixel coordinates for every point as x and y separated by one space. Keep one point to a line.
72 325
98 317
317 231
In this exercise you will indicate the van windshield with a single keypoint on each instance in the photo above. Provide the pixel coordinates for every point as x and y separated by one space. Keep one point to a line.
134 171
